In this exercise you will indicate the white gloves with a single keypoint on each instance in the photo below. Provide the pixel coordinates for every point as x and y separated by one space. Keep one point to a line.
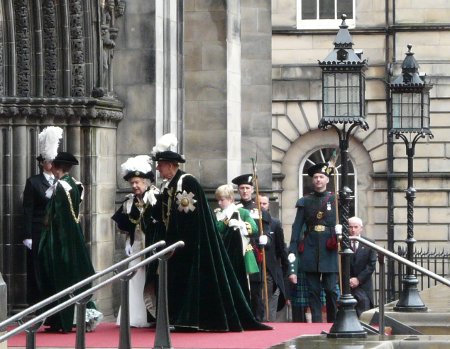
128 248
28 243
291 258
233 223
263 240
338 229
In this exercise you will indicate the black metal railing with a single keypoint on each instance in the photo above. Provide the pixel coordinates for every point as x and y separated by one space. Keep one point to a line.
436 261
382 253
162 339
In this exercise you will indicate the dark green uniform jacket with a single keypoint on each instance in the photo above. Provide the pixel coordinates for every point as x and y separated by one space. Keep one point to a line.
313 236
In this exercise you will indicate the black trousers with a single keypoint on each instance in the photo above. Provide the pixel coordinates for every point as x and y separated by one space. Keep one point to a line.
315 282
256 300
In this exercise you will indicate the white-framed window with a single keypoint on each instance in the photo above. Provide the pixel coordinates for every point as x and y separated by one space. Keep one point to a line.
323 155
324 14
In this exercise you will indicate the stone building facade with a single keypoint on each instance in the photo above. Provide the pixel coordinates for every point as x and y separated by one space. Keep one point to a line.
235 80
116 75
382 30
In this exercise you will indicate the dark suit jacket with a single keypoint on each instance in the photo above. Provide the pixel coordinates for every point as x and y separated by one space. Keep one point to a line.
362 266
34 203
276 255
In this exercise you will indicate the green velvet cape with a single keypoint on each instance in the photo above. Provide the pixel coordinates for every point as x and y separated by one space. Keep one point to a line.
63 257
203 291
232 240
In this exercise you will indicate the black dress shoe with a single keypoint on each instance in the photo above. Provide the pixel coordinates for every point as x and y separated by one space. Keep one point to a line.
52 329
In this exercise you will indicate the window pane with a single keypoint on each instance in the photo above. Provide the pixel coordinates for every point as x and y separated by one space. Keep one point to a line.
326 9
345 7
309 9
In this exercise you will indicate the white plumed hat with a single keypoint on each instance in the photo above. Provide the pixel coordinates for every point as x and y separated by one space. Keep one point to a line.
138 166
166 142
49 142
162 150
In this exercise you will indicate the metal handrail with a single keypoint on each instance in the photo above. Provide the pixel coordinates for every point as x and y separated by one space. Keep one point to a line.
69 290
401 259
385 252
88 292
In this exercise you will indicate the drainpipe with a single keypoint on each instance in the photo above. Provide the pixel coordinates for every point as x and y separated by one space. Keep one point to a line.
390 158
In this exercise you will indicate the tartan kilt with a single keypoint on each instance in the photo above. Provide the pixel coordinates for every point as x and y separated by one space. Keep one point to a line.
299 293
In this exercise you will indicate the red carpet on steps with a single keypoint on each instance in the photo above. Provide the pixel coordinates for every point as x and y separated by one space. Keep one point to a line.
106 335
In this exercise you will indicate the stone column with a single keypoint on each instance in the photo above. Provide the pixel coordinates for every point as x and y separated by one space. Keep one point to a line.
212 89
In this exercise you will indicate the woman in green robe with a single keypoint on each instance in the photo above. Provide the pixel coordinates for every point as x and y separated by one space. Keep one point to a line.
63 256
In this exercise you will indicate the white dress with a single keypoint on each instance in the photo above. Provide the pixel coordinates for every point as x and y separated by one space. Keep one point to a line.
138 311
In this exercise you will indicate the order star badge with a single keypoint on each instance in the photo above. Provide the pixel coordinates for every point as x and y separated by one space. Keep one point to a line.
186 202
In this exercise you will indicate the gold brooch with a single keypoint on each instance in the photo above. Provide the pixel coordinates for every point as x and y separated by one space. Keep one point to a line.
186 202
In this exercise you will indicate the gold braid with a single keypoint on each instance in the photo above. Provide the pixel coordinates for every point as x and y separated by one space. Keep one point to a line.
141 206
75 217
166 214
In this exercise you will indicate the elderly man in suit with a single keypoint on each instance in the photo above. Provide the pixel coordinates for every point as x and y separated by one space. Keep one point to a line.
362 266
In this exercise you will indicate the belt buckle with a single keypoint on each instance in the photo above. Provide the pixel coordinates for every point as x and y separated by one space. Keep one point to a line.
319 228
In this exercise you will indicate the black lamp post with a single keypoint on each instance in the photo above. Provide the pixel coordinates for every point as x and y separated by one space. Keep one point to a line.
343 108
410 110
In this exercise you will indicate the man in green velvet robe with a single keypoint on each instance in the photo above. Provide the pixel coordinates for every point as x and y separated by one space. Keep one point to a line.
203 291
63 257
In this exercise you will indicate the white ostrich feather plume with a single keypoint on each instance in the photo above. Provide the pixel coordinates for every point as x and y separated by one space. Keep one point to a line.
141 163
49 142
165 143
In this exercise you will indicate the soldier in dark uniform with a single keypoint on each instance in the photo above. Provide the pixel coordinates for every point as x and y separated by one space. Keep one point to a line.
245 187
314 242
34 202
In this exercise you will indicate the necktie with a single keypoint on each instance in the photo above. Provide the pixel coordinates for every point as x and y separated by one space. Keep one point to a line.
354 245
51 180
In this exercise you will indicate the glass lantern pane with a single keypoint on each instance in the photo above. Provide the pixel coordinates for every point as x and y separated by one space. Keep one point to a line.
426 111
353 109
396 110
341 109
341 95
329 95
353 80
341 79
406 112
329 79
328 109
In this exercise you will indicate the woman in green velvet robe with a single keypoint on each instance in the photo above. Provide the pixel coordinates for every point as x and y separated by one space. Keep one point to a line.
63 257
